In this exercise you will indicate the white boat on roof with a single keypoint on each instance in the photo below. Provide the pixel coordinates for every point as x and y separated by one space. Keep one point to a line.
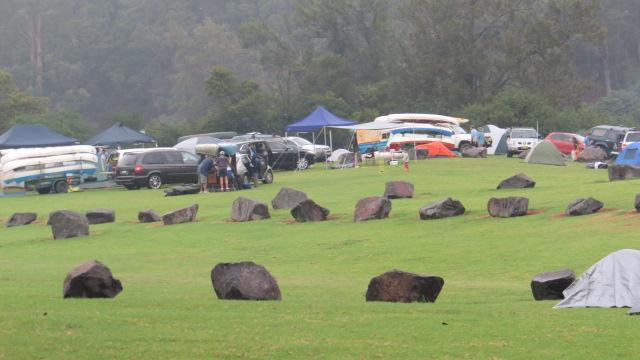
15 154
421 119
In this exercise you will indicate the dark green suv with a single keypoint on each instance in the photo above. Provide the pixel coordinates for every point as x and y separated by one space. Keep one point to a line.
607 137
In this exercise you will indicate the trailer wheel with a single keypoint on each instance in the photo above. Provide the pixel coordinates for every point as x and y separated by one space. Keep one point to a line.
44 190
60 187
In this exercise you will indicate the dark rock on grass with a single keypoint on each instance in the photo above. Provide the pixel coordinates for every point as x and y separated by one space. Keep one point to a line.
592 154
372 208
68 224
182 190
637 203
475 152
244 209
288 198
623 172
442 209
101 216
550 285
180 216
398 190
91 280
508 207
244 281
519 181
149 215
20 219
308 210
584 207
400 286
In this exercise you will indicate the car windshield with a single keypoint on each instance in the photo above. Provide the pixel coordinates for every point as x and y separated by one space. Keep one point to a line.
128 159
524 134
633 137
300 141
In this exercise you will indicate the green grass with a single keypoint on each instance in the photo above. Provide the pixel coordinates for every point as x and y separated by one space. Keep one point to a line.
169 310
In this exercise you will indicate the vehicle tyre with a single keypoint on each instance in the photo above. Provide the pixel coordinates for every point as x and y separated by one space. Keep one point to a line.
154 181
44 190
268 177
60 187
303 164
244 179
509 154
132 187
464 146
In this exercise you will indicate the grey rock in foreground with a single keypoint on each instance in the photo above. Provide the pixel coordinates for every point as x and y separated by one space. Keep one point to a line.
442 209
475 152
508 207
180 216
101 216
244 281
584 206
550 285
288 198
68 224
91 280
519 181
372 208
308 211
244 209
398 190
623 172
20 219
401 286
149 215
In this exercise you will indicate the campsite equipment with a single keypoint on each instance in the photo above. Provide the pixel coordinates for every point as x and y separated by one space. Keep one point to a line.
496 134
545 153
630 155
342 158
500 145
29 136
318 121
191 143
613 281
459 139
436 149
119 136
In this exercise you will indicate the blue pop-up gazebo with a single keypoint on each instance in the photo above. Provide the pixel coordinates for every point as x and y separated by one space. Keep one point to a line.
317 121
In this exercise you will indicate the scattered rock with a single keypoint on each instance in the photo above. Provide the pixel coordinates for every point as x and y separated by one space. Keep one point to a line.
244 209
519 181
288 198
180 216
20 219
508 207
308 210
244 281
68 224
475 152
398 190
442 209
182 190
584 207
149 215
550 285
101 216
637 205
372 208
623 172
91 280
592 154
400 286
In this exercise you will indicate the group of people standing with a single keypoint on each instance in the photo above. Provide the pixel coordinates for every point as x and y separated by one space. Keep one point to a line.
477 138
224 168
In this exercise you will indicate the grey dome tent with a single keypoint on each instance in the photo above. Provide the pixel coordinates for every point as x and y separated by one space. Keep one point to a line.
545 153
501 147
119 135
613 281
35 135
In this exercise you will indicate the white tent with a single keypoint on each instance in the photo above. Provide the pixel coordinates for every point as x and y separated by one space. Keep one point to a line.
496 134
613 281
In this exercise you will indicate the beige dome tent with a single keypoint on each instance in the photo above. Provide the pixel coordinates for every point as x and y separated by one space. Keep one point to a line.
545 153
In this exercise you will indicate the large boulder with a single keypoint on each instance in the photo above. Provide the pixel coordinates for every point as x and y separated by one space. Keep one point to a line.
584 207
372 208
149 215
474 152
550 285
91 280
592 154
68 224
182 190
519 181
19 219
244 281
623 172
398 190
400 286
244 209
508 207
288 198
101 216
442 209
308 210
180 216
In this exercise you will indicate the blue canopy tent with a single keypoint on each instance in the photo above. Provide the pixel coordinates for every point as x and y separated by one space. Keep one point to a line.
630 155
318 120
119 135
36 135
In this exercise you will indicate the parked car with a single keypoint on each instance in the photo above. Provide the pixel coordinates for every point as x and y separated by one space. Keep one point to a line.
287 155
155 167
564 141
629 138
320 152
607 137
520 140
243 162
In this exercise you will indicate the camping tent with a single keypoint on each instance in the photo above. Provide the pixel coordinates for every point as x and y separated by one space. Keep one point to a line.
500 145
318 120
119 135
436 149
190 144
545 153
630 155
496 134
23 136
613 281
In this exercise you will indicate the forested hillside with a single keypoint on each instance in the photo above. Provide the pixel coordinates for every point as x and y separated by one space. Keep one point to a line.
173 67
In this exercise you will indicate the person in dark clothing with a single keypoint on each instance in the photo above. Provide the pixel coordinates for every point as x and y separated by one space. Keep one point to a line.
221 164
254 165
204 168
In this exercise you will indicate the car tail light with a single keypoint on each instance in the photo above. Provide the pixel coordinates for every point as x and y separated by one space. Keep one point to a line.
138 169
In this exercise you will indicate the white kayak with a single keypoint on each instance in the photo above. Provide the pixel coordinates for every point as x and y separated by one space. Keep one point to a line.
16 154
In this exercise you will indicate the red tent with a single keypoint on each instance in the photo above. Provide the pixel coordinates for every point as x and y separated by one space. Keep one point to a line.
436 149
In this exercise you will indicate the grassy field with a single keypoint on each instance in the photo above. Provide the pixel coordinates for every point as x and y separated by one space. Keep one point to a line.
168 308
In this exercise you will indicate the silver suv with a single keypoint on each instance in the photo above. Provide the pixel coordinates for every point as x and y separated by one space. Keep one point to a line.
520 140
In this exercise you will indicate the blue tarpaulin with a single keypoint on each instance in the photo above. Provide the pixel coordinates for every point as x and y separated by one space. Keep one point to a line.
35 135
317 120
119 135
